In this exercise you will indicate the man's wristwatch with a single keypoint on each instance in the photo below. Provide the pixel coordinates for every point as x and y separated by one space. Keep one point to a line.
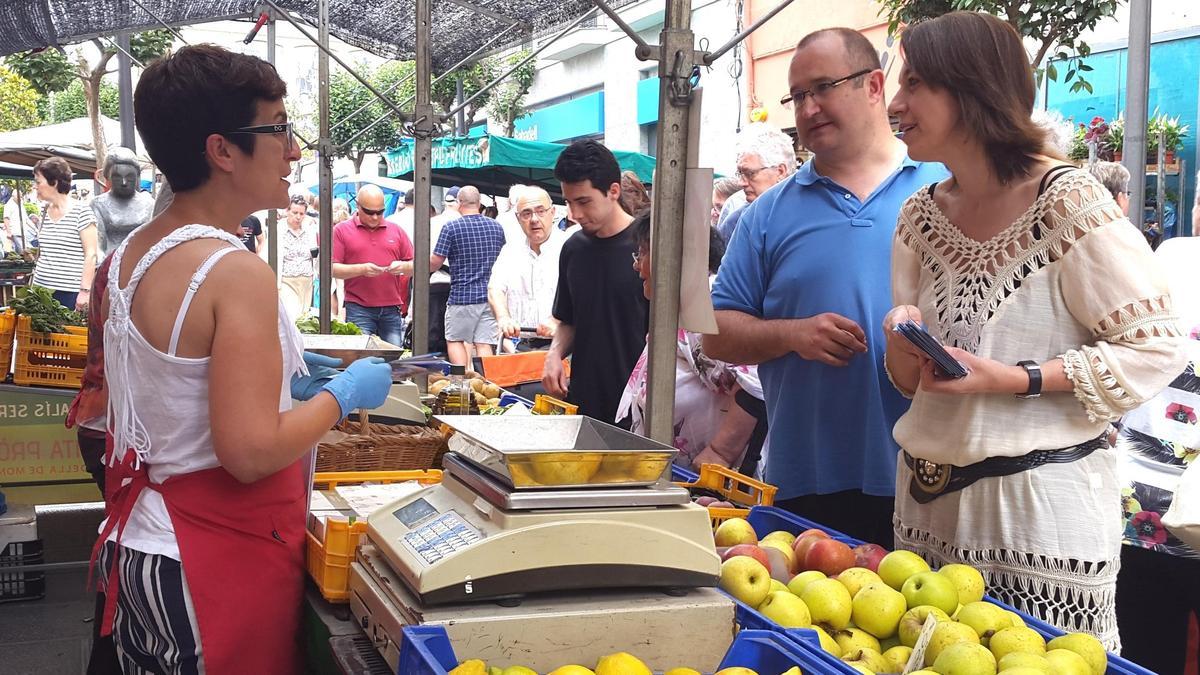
1035 379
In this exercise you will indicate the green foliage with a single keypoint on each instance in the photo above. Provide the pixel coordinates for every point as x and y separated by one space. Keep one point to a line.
347 95
507 103
150 45
46 314
1049 23
20 108
474 78
310 325
1172 131
71 103
48 70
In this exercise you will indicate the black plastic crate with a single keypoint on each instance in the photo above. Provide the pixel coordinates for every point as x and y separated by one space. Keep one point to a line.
16 586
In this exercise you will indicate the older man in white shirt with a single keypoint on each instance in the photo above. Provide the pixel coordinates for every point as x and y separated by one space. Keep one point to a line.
525 276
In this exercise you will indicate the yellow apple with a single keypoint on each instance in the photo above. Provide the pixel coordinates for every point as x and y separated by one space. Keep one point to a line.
1016 639
746 579
857 578
783 548
987 619
878 609
777 585
733 532
930 588
947 634
1013 660
897 658
965 658
967 580
786 610
852 639
867 658
1086 646
914 620
828 602
786 537
897 566
827 642
1067 662
800 581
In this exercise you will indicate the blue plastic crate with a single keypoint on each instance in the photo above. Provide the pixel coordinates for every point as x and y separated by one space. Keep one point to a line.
508 398
682 475
426 650
766 519
750 619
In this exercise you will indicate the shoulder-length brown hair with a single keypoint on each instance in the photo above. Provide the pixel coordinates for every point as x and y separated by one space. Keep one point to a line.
980 60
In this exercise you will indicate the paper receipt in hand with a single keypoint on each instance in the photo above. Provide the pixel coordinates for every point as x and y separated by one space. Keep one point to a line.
916 334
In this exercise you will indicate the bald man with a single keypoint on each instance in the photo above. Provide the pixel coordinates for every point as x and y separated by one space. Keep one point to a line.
374 256
471 245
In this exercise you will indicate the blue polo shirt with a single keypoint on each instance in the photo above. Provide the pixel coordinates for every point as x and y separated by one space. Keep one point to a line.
805 247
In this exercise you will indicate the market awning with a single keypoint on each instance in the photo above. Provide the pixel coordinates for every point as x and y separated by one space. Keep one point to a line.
70 140
494 163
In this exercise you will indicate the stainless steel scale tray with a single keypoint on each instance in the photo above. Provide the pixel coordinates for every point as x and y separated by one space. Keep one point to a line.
663 493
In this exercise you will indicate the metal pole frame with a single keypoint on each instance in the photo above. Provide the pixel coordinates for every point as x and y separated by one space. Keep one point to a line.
713 56
323 25
1136 92
164 24
532 55
487 45
324 162
125 62
676 61
424 127
272 214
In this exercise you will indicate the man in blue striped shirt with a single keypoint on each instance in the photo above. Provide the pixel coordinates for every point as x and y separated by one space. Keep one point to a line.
471 244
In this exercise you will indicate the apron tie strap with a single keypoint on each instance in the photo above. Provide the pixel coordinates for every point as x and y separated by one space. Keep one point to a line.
133 480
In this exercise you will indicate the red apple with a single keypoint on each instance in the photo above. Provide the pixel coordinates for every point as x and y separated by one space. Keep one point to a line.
868 556
749 550
829 556
805 542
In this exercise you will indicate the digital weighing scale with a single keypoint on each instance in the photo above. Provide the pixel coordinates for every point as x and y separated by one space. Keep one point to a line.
524 575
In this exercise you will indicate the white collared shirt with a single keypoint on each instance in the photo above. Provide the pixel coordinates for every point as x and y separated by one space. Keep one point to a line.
527 279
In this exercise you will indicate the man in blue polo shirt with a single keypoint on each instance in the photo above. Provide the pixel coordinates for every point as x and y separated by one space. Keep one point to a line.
805 285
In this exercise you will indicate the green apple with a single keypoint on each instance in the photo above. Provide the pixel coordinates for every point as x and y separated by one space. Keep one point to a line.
914 620
786 537
930 588
877 609
827 642
965 658
1013 660
852 639
786 610
867 658
798 582
857 578
746 579
1067 662
985 618
1086 646
777 585
946 634
829 603
897 566
967 580
733 532
1016 639
897 658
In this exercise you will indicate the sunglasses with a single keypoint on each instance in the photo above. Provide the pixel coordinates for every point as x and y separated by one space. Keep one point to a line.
371 212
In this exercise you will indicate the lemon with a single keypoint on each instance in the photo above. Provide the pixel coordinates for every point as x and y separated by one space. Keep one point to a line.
519 670
571 670
682 671
566 468
736 670
472 667
621 663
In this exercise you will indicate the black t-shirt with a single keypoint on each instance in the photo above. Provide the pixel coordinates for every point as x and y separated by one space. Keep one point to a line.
251 229
600 294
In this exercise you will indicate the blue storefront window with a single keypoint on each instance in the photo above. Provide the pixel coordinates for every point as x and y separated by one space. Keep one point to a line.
576 118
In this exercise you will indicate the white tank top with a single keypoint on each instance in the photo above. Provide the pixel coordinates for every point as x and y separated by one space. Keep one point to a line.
158 402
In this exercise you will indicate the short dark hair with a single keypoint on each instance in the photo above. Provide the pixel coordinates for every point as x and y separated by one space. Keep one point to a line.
200 90
56 172
980 60
590 161
641 230
860 53
297 200
409 198
716 245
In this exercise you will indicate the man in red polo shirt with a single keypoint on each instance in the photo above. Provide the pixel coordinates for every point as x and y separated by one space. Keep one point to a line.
368 252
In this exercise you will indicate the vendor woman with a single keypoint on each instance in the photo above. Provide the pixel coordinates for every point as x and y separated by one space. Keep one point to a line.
202 551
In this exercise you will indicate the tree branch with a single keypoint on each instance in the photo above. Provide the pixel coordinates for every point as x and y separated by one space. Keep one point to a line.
1047 43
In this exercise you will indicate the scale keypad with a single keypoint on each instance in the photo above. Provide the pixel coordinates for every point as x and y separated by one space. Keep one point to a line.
440 537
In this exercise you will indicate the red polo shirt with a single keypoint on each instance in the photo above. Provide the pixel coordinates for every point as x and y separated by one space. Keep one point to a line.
355 243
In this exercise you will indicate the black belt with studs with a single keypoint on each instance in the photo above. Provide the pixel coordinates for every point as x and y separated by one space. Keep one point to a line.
930 481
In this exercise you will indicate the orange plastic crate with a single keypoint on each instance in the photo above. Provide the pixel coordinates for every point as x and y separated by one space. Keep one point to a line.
736 488
50 359
544 404
8 330
329 560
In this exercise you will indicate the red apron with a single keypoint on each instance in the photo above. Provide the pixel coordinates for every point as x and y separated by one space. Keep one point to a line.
242 551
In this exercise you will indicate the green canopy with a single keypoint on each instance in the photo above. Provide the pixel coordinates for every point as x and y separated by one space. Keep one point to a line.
494 163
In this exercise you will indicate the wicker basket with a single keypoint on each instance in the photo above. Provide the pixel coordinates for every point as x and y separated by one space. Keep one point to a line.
380 447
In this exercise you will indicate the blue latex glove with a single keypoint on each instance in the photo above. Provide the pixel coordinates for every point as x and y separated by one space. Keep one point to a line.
365 384
321 369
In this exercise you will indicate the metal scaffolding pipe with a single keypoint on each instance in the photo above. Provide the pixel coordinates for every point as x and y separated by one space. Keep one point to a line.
625 28
323 25
162 23
272 214
675 63
422 179
710 58
532 55
1137 84
396 85
324 162
125 90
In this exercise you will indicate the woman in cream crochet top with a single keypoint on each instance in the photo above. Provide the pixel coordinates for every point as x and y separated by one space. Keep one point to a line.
1016 259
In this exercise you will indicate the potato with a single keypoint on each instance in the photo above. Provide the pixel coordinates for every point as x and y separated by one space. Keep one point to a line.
491 391
436 377
480 399
437 387
478 385
470 374
493 402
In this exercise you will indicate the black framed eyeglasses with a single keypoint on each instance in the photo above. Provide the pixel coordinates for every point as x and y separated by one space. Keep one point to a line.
276 129
819 90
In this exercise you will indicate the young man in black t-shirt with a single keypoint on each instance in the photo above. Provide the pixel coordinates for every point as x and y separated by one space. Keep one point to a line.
603 312
251 233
